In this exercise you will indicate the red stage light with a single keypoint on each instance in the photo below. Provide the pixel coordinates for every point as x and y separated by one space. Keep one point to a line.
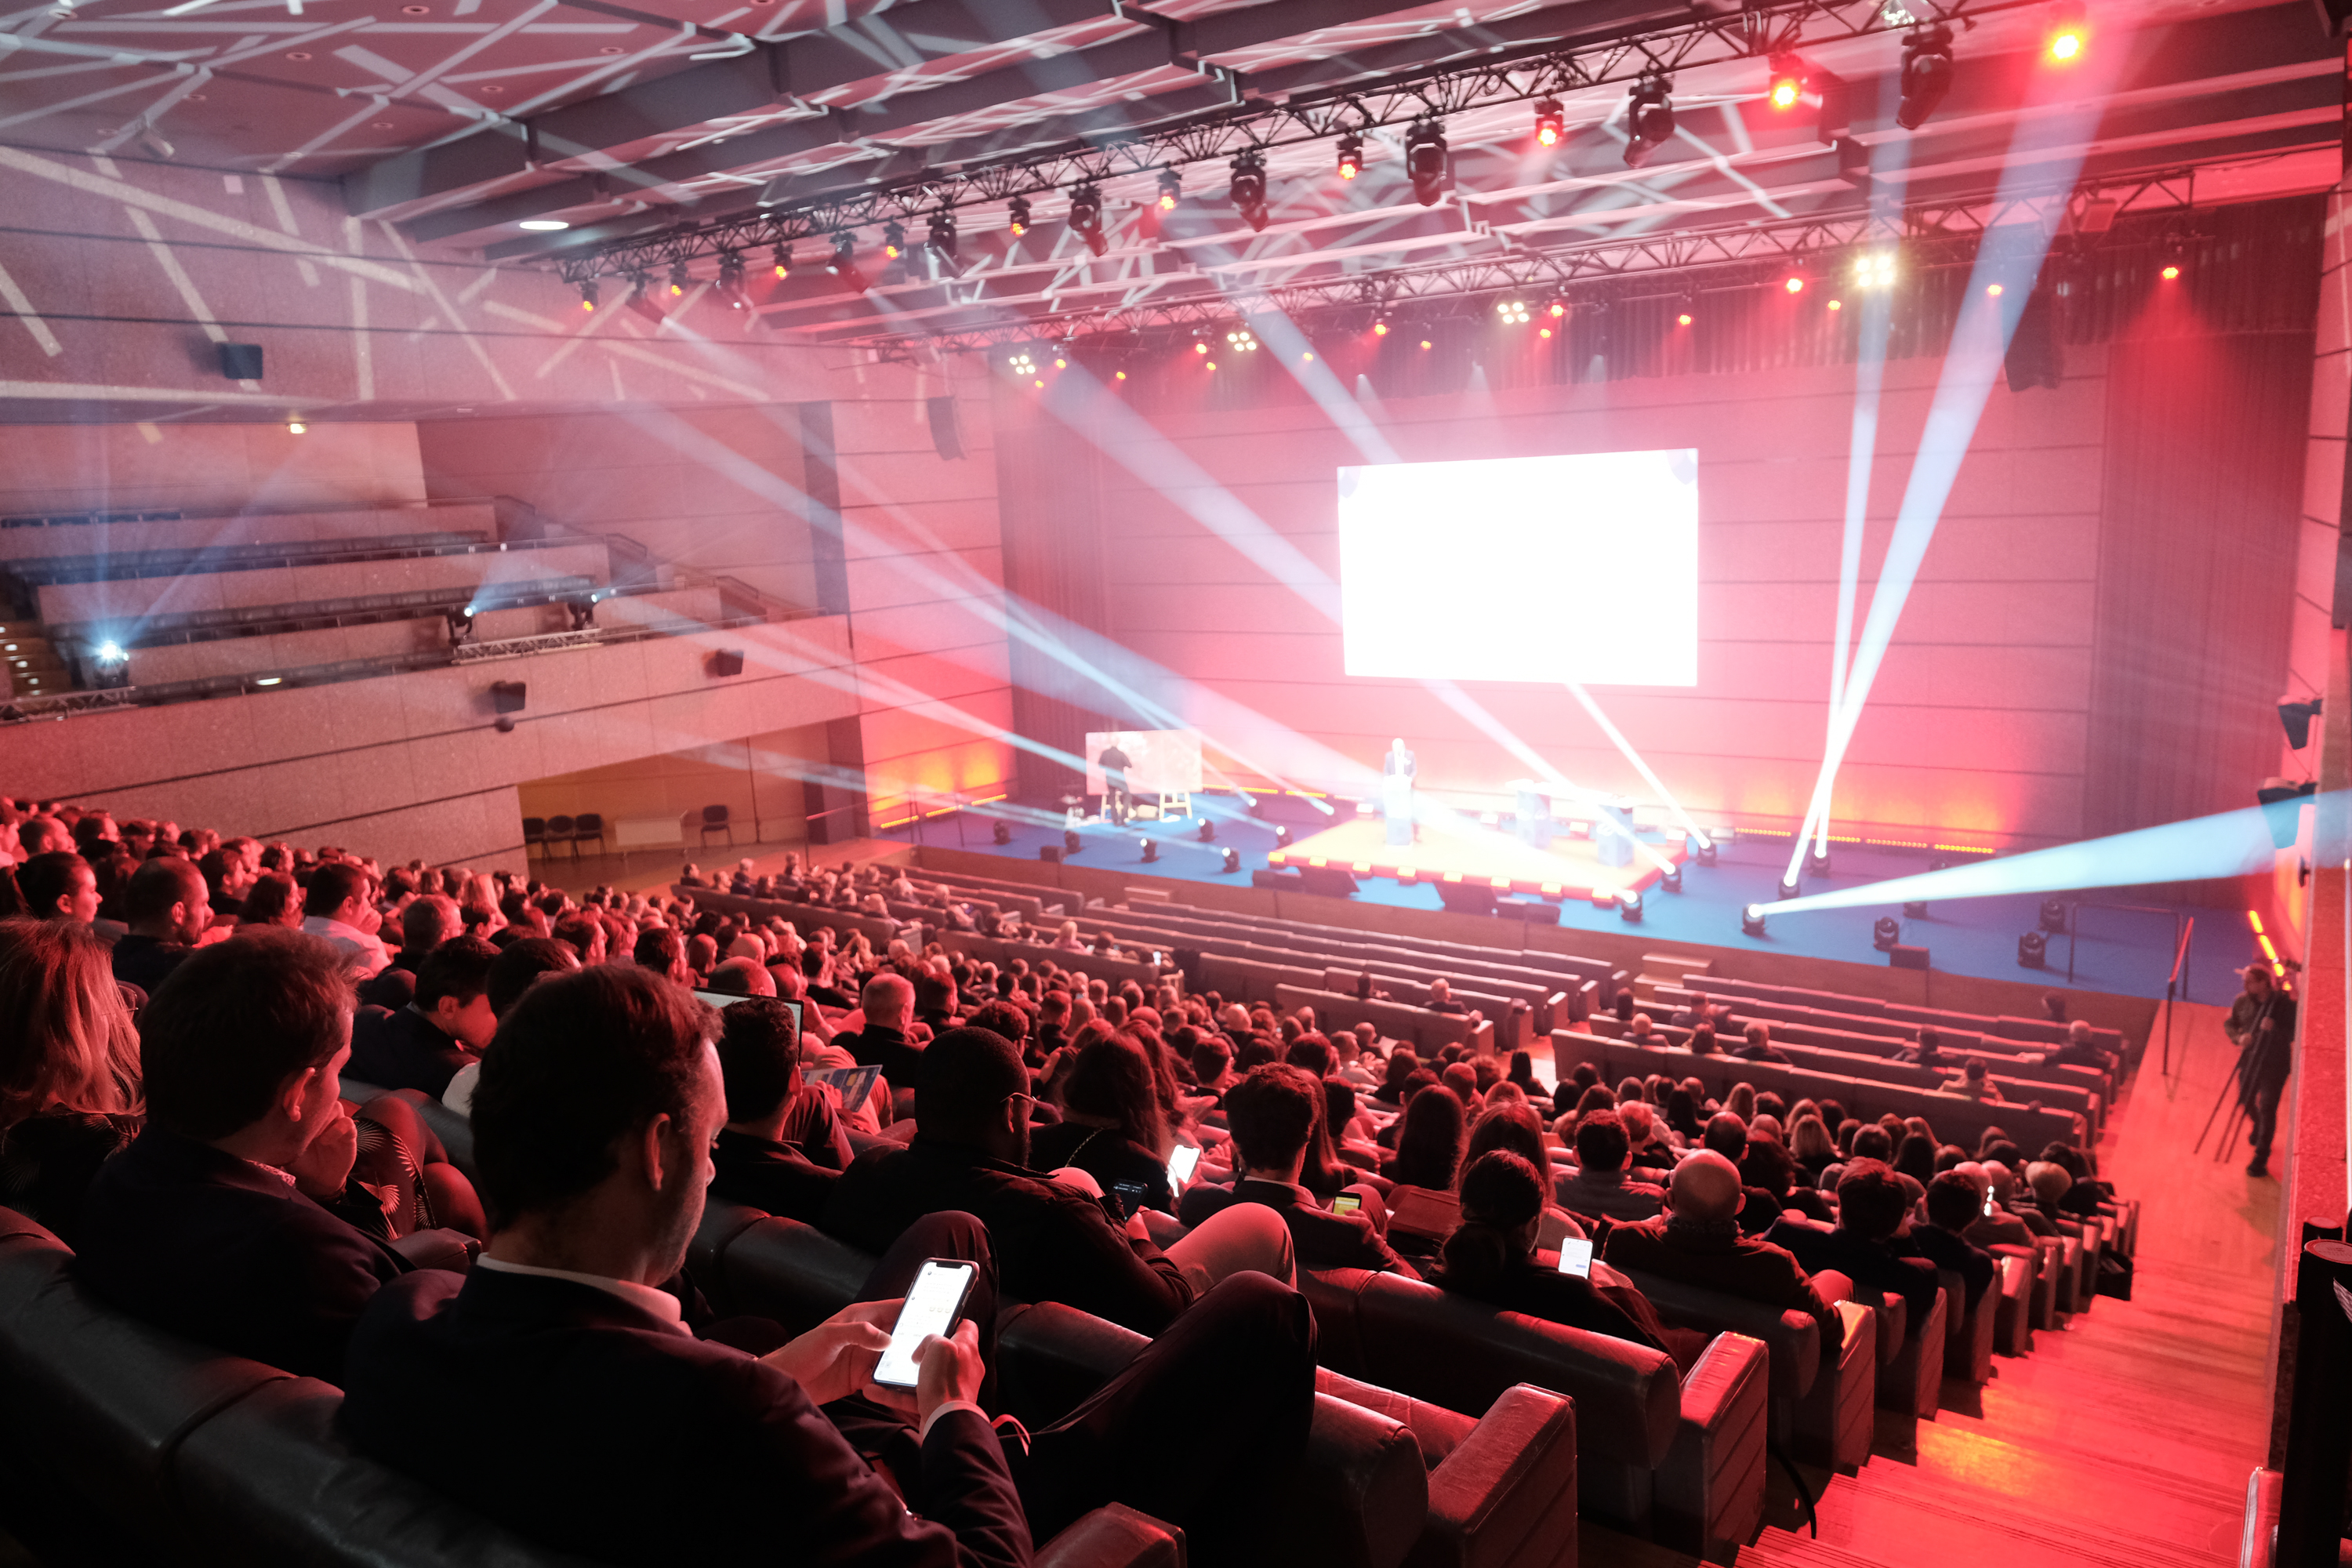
1552 125
1993 290
1547 332
2170 273
1788 87
1380 329
1837 305
1558 309
1212 364
1121 374
1200 348
1684 318
1794 285
1424 343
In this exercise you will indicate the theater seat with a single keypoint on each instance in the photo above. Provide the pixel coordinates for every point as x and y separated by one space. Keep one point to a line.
1968 1333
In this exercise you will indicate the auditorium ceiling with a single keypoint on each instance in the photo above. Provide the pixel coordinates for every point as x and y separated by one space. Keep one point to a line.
460 121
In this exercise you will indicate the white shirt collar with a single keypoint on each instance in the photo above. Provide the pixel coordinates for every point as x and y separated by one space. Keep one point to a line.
660 1303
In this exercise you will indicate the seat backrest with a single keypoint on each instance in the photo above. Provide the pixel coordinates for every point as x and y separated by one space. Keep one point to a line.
792 1272
589 822
714 815
559 825
1791 1339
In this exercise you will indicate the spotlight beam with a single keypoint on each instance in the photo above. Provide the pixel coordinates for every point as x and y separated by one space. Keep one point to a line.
2227 844
1617 738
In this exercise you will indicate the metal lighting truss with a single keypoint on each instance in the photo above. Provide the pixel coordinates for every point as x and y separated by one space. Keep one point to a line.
1932 235
1761 31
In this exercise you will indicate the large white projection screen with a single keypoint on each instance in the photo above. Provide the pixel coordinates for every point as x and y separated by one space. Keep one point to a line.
1579 568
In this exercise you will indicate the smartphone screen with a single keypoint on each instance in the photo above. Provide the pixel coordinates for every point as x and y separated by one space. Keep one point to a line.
1576 1256
930 1308
1129 1195
1346 1202
1181 1164
1988 1202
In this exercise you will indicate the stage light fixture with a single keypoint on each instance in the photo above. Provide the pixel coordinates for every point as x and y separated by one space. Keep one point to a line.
730 280
1786 87
1874 269
1381 326
1150 850
1425 161
1281 837
1786 888
939 232
678 278
1551 123
782 258
2052 916
2070 33
1247 191
2295 718
1915 911
1670 879
1795 283
1017 210
1208 831
1557 309
296 428
1172 190
1629 908
1751 920
1071 843
1020 364
588 295
1885 932
1817 861
580 613
999 834
894 240
844 250
1232 860
1649 120
1705 854
1351 155
1926 75
2033 949
1513 313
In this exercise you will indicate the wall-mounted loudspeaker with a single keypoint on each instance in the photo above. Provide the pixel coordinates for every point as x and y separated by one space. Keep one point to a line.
726 661
241 362
946 438
507 696
1467 897
1050 853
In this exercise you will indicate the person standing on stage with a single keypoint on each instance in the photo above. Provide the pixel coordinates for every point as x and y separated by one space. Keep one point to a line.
2262 1026
1396 792
1117 803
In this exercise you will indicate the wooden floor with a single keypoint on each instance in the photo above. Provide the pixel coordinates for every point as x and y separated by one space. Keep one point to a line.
2124 1438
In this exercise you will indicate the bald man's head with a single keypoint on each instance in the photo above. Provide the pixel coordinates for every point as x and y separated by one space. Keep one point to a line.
1707 1187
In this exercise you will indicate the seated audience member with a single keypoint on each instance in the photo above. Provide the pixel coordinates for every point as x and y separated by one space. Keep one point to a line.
888 1004
1113 1127
272 904
1645 1137
2048 1183
1523 1073
336 906
1975 1081
765 1156
447 1027
1270 1114
69 1091
1915 1162
1700 1011
1872 1203
1991 1225
1812 1147
167 907
1491 1257
427 922
573 1380
1702 1040
659 949
1638 1029
58 886
2009 1198
1683 1114
733 977
1599 1186
1697 1242
213 1223
1758 1047
1400 1066
1929 1052
1953 1205
2080 1050
1429 1142
970 1153
516 969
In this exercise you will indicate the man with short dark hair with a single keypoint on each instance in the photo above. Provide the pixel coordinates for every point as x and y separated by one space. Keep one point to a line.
519 966
424 924
1929 1052
58 885
1759 1045
661 951
422 1045
211 1224
1953 1205
1270 1114
1054 1241
783 1146
594 1421
168 907
1599 1187
1872 1203
335 905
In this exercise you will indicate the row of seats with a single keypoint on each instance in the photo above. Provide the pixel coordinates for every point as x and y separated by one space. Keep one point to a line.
103 566
313 614
1899 1017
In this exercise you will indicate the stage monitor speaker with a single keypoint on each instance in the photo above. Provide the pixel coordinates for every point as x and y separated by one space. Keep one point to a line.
1467 897
1329 881
1050 853
508 696
241 362
1534 911
947 440
726 661
2034 358
1270 877
1901 956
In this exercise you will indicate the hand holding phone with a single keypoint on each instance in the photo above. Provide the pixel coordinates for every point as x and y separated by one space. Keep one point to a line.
1576 1256
1181 1165
836 1358
930 1310
1346 1202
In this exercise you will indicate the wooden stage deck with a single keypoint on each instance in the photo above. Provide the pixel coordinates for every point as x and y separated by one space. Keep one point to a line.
1571 869
2125 1440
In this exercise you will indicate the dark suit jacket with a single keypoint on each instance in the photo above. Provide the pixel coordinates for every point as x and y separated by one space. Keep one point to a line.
405 1050
591 1426
1105 1155
214 1248
145 960
1721 1260
1320 1239
876 1046
1870 1264
1945 1250
1053 1242
1539 1290
776 1177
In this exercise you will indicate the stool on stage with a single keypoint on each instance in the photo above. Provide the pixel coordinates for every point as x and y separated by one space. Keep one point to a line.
1614 849
1533 814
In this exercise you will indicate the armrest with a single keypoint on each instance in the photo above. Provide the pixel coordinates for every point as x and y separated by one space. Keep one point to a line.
452 1250
1114 1536
1710 1491
1507 1493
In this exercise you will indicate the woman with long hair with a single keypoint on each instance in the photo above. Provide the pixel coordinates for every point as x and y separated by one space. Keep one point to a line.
1491 1257
1741 1102
1812 1147
1429 1143
1519 1129
1112 1125
69 1084
272 900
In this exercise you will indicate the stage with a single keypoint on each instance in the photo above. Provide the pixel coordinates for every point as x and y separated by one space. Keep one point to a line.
1442 852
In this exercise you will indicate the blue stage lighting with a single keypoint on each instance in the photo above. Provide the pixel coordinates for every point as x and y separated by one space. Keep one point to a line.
1672 881
1818 862
1787 888
1751 920
1281 837
1916 909
1703 854
1629 908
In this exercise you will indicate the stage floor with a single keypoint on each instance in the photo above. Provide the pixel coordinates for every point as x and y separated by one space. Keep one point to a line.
1571 869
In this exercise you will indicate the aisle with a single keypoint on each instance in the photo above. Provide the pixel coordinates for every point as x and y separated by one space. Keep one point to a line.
2124 1440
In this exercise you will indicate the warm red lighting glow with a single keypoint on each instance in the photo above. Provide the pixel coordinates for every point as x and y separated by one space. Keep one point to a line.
1307 359
1547 332
1168 201
2066 45
1380 329
1787 89
1040 386
1795 285
1424 343
1061 364
1558 309
1548 136
1684 318
589 306
1837 304
2170 273
1993 290
1122 376
1200 348
675 290
1212 364
1347 169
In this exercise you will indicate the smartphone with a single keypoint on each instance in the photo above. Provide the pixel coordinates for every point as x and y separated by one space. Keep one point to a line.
1131 1198
1576 1256
856 1085
930 1308
1988 1202
1346 1202
1181 1164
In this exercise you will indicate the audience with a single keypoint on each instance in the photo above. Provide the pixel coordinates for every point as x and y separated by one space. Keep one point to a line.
1954 1204
57 885
1600 1187
1112 1127
424 1045
1491 1257
71 1097
1871 1205
337 905
782 1147
1697 1242
1273 1115
167 909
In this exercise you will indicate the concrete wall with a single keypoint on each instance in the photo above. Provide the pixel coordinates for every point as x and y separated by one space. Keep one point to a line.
204 469
754 779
